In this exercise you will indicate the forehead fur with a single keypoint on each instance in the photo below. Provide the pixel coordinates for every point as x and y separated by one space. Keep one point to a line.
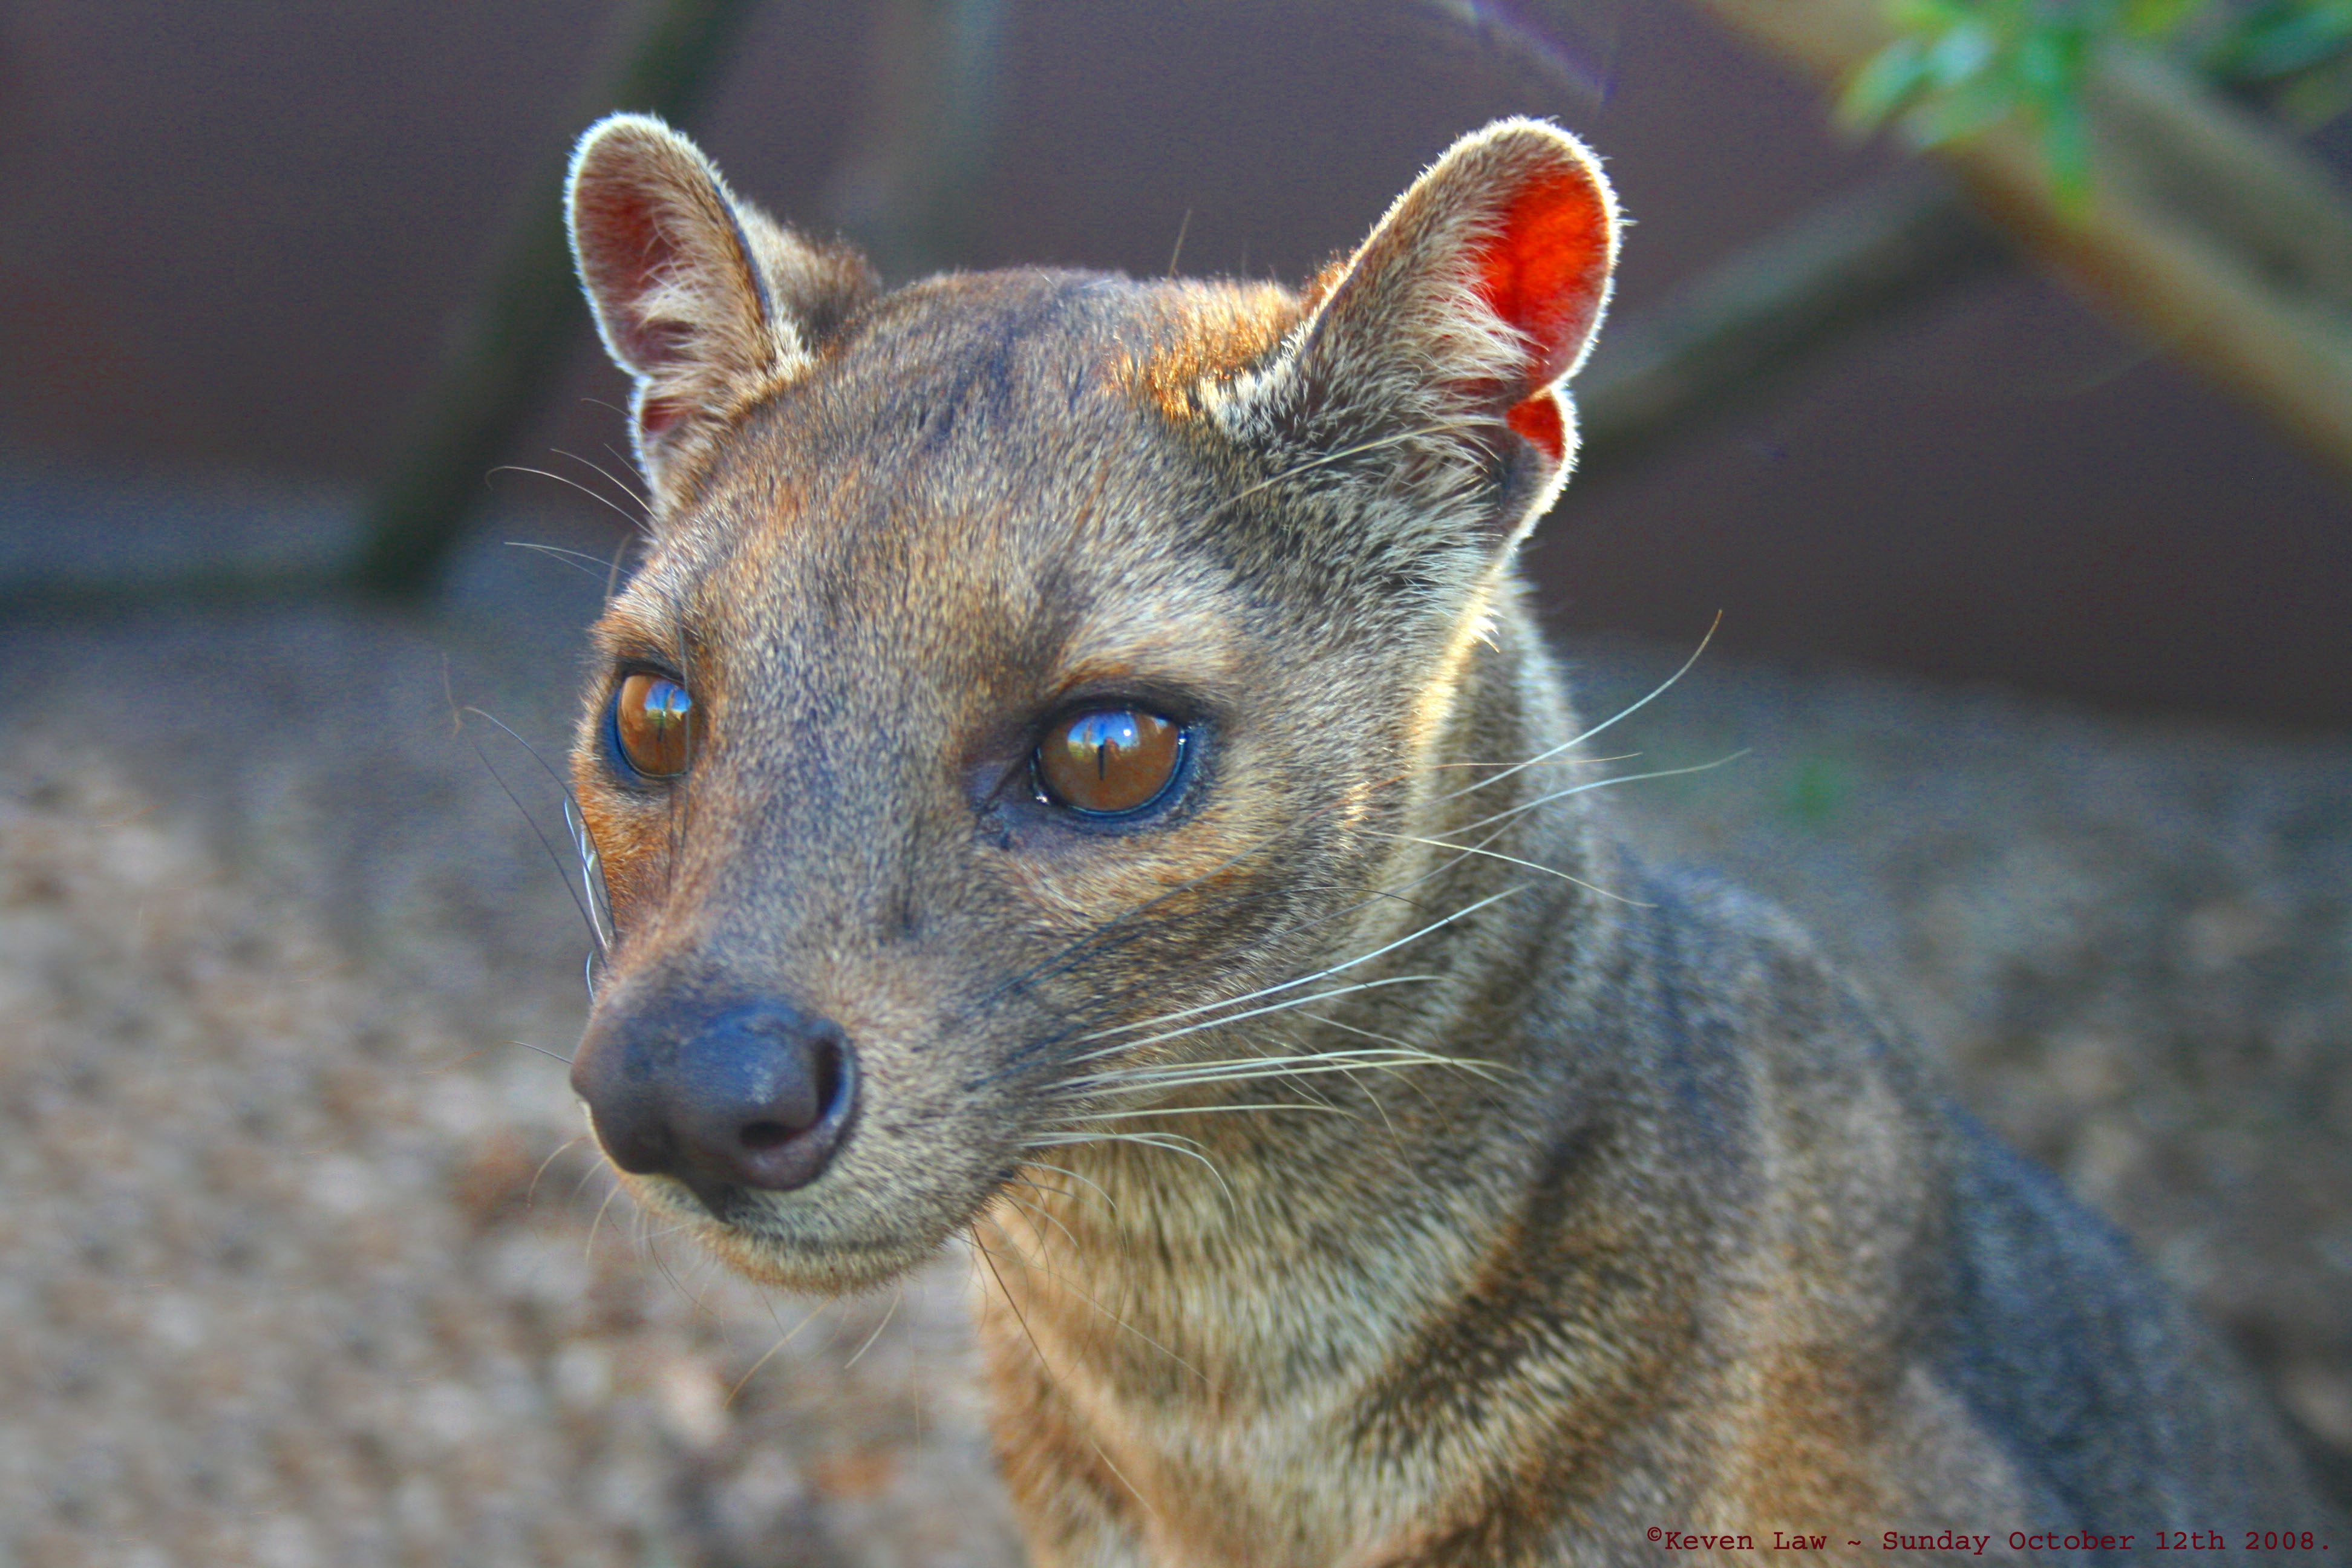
973 432
989 491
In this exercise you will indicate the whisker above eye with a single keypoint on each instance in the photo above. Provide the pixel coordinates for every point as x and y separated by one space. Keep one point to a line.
592 566
644 502
634 521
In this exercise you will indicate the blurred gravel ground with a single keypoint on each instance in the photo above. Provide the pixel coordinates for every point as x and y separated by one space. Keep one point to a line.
306 1265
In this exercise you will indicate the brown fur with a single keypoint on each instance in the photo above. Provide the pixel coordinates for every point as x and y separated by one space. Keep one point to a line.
1624 1215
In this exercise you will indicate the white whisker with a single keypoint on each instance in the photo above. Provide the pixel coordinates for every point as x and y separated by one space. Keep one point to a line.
1108 1202
1035 1214
1528 806
813 1314
645 505
1512 859
591 877
590 566
1622 713
1328 459
1240 1069
1065 1282
1251 1012
1174 1143
1197 1110
1463 913
597 496
877 1328
1400 1043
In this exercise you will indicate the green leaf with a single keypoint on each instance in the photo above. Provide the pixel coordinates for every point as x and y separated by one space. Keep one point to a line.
2051 63
2157 19
1888 80
1961 55
1962 111
2066 148
2312 100
1924 17
2280 45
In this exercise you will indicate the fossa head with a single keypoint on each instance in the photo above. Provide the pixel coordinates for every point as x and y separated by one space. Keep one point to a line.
1023 664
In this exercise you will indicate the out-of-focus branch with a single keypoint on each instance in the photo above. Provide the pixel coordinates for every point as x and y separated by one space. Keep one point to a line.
508 347
1732 336
2220 239
910 190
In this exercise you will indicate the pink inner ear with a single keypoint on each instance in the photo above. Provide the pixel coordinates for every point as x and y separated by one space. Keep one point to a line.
656 415
1544 272
627 250
1538 419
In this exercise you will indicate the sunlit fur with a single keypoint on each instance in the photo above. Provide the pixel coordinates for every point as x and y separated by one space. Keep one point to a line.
1365 1162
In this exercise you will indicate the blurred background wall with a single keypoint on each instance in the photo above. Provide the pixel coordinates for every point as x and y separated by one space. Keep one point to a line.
234 236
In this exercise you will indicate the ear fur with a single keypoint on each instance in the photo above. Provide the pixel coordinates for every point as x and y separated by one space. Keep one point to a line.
710 305
1425 373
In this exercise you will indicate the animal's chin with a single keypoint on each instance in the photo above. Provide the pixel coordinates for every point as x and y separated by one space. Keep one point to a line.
832 1262
831 1271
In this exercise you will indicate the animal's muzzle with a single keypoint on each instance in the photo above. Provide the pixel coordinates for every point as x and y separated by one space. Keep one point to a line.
722 1095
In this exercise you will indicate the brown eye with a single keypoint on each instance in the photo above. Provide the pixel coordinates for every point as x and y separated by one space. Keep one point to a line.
1110 760
655 726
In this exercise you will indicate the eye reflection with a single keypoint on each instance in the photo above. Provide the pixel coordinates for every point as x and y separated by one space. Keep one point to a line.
655 724
1108 761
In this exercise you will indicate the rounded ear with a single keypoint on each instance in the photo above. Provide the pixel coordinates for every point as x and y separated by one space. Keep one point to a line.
1431 359
706 302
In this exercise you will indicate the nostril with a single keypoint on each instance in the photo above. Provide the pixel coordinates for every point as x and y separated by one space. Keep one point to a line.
788 1141
815 1091
761 1098
830 1073
758 1095
765 1135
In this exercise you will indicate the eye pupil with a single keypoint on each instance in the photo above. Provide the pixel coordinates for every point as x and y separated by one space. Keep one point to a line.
1109 760
655 720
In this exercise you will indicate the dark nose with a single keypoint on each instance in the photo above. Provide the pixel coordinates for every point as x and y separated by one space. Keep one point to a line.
721 1096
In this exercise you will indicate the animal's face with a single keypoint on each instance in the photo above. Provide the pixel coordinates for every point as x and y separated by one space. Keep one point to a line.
1025 667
